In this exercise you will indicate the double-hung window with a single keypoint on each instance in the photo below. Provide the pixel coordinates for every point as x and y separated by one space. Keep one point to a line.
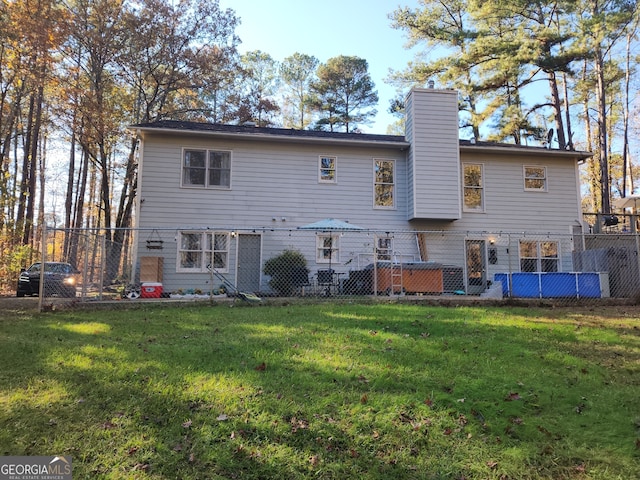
206 168
327 248
537 256
199 250
384 183
473 187
328 170
535 178
384 248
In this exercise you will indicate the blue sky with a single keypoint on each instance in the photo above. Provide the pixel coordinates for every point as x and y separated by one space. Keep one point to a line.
327 29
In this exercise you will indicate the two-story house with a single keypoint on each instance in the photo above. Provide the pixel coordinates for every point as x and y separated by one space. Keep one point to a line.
224 194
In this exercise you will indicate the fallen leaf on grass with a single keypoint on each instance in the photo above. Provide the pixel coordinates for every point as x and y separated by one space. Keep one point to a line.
512 397
492 464
298 424
364 399
428 402
222 417
192 458
187 424
132 450
108 425
313 460
262 367
141 467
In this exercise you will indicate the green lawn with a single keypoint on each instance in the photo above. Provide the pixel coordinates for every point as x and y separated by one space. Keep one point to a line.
325 391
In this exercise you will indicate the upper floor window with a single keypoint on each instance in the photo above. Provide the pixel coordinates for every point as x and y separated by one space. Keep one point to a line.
328 170
384 183
473 187
536 256
535 178
199 250
206 168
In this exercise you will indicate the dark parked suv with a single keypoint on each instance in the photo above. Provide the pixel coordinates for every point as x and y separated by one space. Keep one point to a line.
59 279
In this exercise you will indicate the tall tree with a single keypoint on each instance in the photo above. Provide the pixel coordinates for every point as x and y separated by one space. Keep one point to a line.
259 88
602 24
344 93
168 63
38 22
297 72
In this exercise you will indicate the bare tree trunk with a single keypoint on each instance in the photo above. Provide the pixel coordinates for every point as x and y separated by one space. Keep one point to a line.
557 110
125 212
27 235
593 176
26 169
567 113
79 210
625 106
68 199
605 190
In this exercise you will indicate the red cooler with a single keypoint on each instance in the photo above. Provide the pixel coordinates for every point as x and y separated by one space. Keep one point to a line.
151 290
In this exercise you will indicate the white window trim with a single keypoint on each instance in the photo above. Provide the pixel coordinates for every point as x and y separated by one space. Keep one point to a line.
203 251
335 169
524 178
206 186
384 254
335 249
373 165
482 188
539 258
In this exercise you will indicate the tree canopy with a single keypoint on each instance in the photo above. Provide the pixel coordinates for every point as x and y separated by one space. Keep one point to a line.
499 54
343 93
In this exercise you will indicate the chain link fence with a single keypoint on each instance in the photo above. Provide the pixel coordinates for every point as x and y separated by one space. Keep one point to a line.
252 264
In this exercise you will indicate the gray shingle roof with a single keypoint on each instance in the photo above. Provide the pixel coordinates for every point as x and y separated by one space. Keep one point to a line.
248 129
361 138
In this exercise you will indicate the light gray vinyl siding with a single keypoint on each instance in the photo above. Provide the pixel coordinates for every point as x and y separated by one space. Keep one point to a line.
275 185
509 207
408 125
434 157
267 181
